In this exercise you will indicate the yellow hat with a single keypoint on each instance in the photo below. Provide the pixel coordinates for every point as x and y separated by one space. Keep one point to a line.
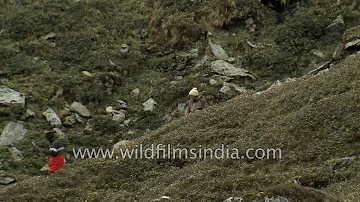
194 92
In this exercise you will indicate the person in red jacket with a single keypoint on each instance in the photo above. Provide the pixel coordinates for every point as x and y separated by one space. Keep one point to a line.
55 153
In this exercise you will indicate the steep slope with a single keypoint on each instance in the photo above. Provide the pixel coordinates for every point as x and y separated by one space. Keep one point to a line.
314 120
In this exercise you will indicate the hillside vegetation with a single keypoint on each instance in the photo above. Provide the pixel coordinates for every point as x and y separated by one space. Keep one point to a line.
45 46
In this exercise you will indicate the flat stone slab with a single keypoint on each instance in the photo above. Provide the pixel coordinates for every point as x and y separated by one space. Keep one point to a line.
9 96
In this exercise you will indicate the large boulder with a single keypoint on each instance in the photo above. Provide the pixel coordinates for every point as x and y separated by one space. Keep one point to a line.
227 69
80 109
11 97
12 133
52 118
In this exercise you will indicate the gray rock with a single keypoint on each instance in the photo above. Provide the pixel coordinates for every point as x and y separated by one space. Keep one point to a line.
80 109
201 62
173 83
226 90
135 92
352 43
119 117
122 104
127 122
44 168
30 113
149 105
318 53
218 51
231 199
232 89
236 87
194 53
52 118
9 96
143 34
224 68
78 118
59 133
49 36
5 180
15 154
337 23
12 133
123 144
70 120
213 81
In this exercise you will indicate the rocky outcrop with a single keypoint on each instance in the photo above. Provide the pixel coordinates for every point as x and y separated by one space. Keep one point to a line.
12 133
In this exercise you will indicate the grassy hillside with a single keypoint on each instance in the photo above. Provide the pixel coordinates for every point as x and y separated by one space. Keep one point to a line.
313 119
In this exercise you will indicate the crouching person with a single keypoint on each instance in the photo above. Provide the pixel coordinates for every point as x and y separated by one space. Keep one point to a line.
55 152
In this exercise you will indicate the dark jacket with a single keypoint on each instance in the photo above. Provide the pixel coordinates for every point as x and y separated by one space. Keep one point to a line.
198 104
56 147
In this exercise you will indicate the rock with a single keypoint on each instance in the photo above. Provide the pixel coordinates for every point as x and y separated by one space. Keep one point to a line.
173 83
231 199
12 133
15 154
127 122
224 68
212 82
122 104
6 180
352 44
109 109
123 144
337 23
218 51
149 105
231 89
78 118
201 62
11 97
80 109
318 54
30 113
135 92
336 30
49 36
44 168
226 90
119 117
70 120
236 87
181 106
194 53
52 118
59 133
130 132
143 34
86 73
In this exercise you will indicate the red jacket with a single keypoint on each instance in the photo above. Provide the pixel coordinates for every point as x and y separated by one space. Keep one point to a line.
56 155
